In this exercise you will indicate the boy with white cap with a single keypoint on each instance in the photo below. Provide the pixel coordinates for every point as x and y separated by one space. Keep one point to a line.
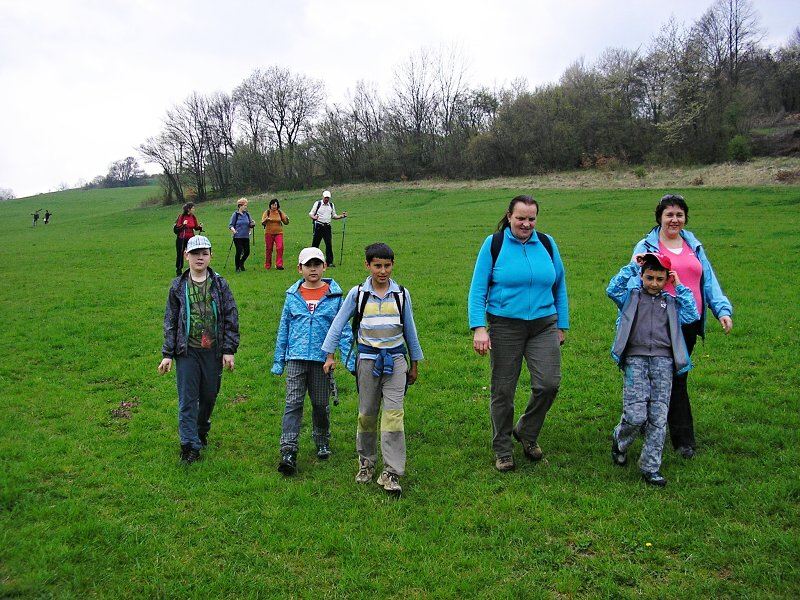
201 333
321 214
310 306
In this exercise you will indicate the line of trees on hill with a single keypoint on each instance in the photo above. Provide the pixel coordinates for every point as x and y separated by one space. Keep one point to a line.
692 95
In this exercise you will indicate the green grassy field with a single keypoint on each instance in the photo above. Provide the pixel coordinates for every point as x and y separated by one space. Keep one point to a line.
93 501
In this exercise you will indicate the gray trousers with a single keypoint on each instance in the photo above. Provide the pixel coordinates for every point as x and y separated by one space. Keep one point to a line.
513 339
302 376
198 376
372 391
645 403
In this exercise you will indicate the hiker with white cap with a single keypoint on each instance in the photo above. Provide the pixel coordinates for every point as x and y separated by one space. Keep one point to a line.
201 334
321 214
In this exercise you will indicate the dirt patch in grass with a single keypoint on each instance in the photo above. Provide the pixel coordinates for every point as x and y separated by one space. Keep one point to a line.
239 399
125 409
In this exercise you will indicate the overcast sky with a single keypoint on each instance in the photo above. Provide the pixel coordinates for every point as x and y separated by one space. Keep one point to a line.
82 83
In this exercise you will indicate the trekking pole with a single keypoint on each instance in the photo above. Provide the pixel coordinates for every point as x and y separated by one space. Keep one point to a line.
341 249
229 253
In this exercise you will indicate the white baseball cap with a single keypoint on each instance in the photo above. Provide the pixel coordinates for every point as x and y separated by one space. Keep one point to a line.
197 242
326 194
306 254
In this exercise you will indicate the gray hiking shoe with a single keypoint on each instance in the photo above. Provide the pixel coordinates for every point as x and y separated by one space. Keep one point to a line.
504 463
390 482
365 471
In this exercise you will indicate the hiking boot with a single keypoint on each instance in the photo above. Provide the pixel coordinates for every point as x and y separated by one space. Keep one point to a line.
323 452
189 454
390 482
618 457
204 439
279 268
365 471
685 451
531 451
504 463
654 478
288 464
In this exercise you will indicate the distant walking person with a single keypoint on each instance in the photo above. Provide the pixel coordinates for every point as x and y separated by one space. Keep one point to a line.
322 213
185 226
240 225
35 216
47 215
273 221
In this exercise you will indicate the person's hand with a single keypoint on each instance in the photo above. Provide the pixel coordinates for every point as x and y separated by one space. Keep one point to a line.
674 279
727 324
227 361
165 366
562 337
233 229
185 223
344 214
411 375
480 341
639 258
329 365
314 217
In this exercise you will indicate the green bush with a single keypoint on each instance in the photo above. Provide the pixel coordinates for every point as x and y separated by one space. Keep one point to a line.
739 149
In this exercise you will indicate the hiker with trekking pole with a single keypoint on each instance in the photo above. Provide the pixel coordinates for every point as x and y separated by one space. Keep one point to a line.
322 213
241 224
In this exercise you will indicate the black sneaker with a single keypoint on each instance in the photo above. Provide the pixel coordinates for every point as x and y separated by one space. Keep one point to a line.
323 452
288 464
685 451
280 268
189 454
654 478
618 457
204 439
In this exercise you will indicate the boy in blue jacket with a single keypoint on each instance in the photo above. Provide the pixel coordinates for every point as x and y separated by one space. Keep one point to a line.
310 306
648 347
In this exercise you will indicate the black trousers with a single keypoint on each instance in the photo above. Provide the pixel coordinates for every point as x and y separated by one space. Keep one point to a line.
180 248
322 231
679 417
242 251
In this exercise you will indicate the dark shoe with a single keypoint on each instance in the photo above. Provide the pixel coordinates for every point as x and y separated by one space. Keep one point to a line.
618 457
242 269
189 454
504 463
279 268
204 439
685 451
654 478
323 452
288 464
331 265
532 451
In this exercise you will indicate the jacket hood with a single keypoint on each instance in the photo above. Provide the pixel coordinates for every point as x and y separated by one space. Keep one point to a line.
688 236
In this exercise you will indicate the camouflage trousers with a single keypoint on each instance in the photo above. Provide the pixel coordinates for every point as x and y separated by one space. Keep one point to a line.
645 403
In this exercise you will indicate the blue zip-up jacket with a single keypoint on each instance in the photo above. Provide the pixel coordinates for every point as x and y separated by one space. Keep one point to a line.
241 224
681 310
300 333
349 308
521 285
177 317
711 292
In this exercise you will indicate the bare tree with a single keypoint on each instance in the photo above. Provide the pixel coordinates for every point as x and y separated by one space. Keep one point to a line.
188 124
166 151
221 116
124 172
6 194
451 72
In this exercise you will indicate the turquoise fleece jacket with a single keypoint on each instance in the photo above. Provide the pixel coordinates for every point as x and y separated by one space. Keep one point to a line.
301 333
681 310
521 285
710 291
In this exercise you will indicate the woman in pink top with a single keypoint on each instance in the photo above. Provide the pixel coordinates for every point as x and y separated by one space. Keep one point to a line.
689 260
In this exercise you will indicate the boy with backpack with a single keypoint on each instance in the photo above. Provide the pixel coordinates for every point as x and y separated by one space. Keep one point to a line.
383 329
648 347
310 306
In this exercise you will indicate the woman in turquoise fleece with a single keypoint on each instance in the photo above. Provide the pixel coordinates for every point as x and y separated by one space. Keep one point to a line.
518 308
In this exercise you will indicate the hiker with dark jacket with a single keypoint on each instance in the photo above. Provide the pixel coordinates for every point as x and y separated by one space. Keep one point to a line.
519 290
201 334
